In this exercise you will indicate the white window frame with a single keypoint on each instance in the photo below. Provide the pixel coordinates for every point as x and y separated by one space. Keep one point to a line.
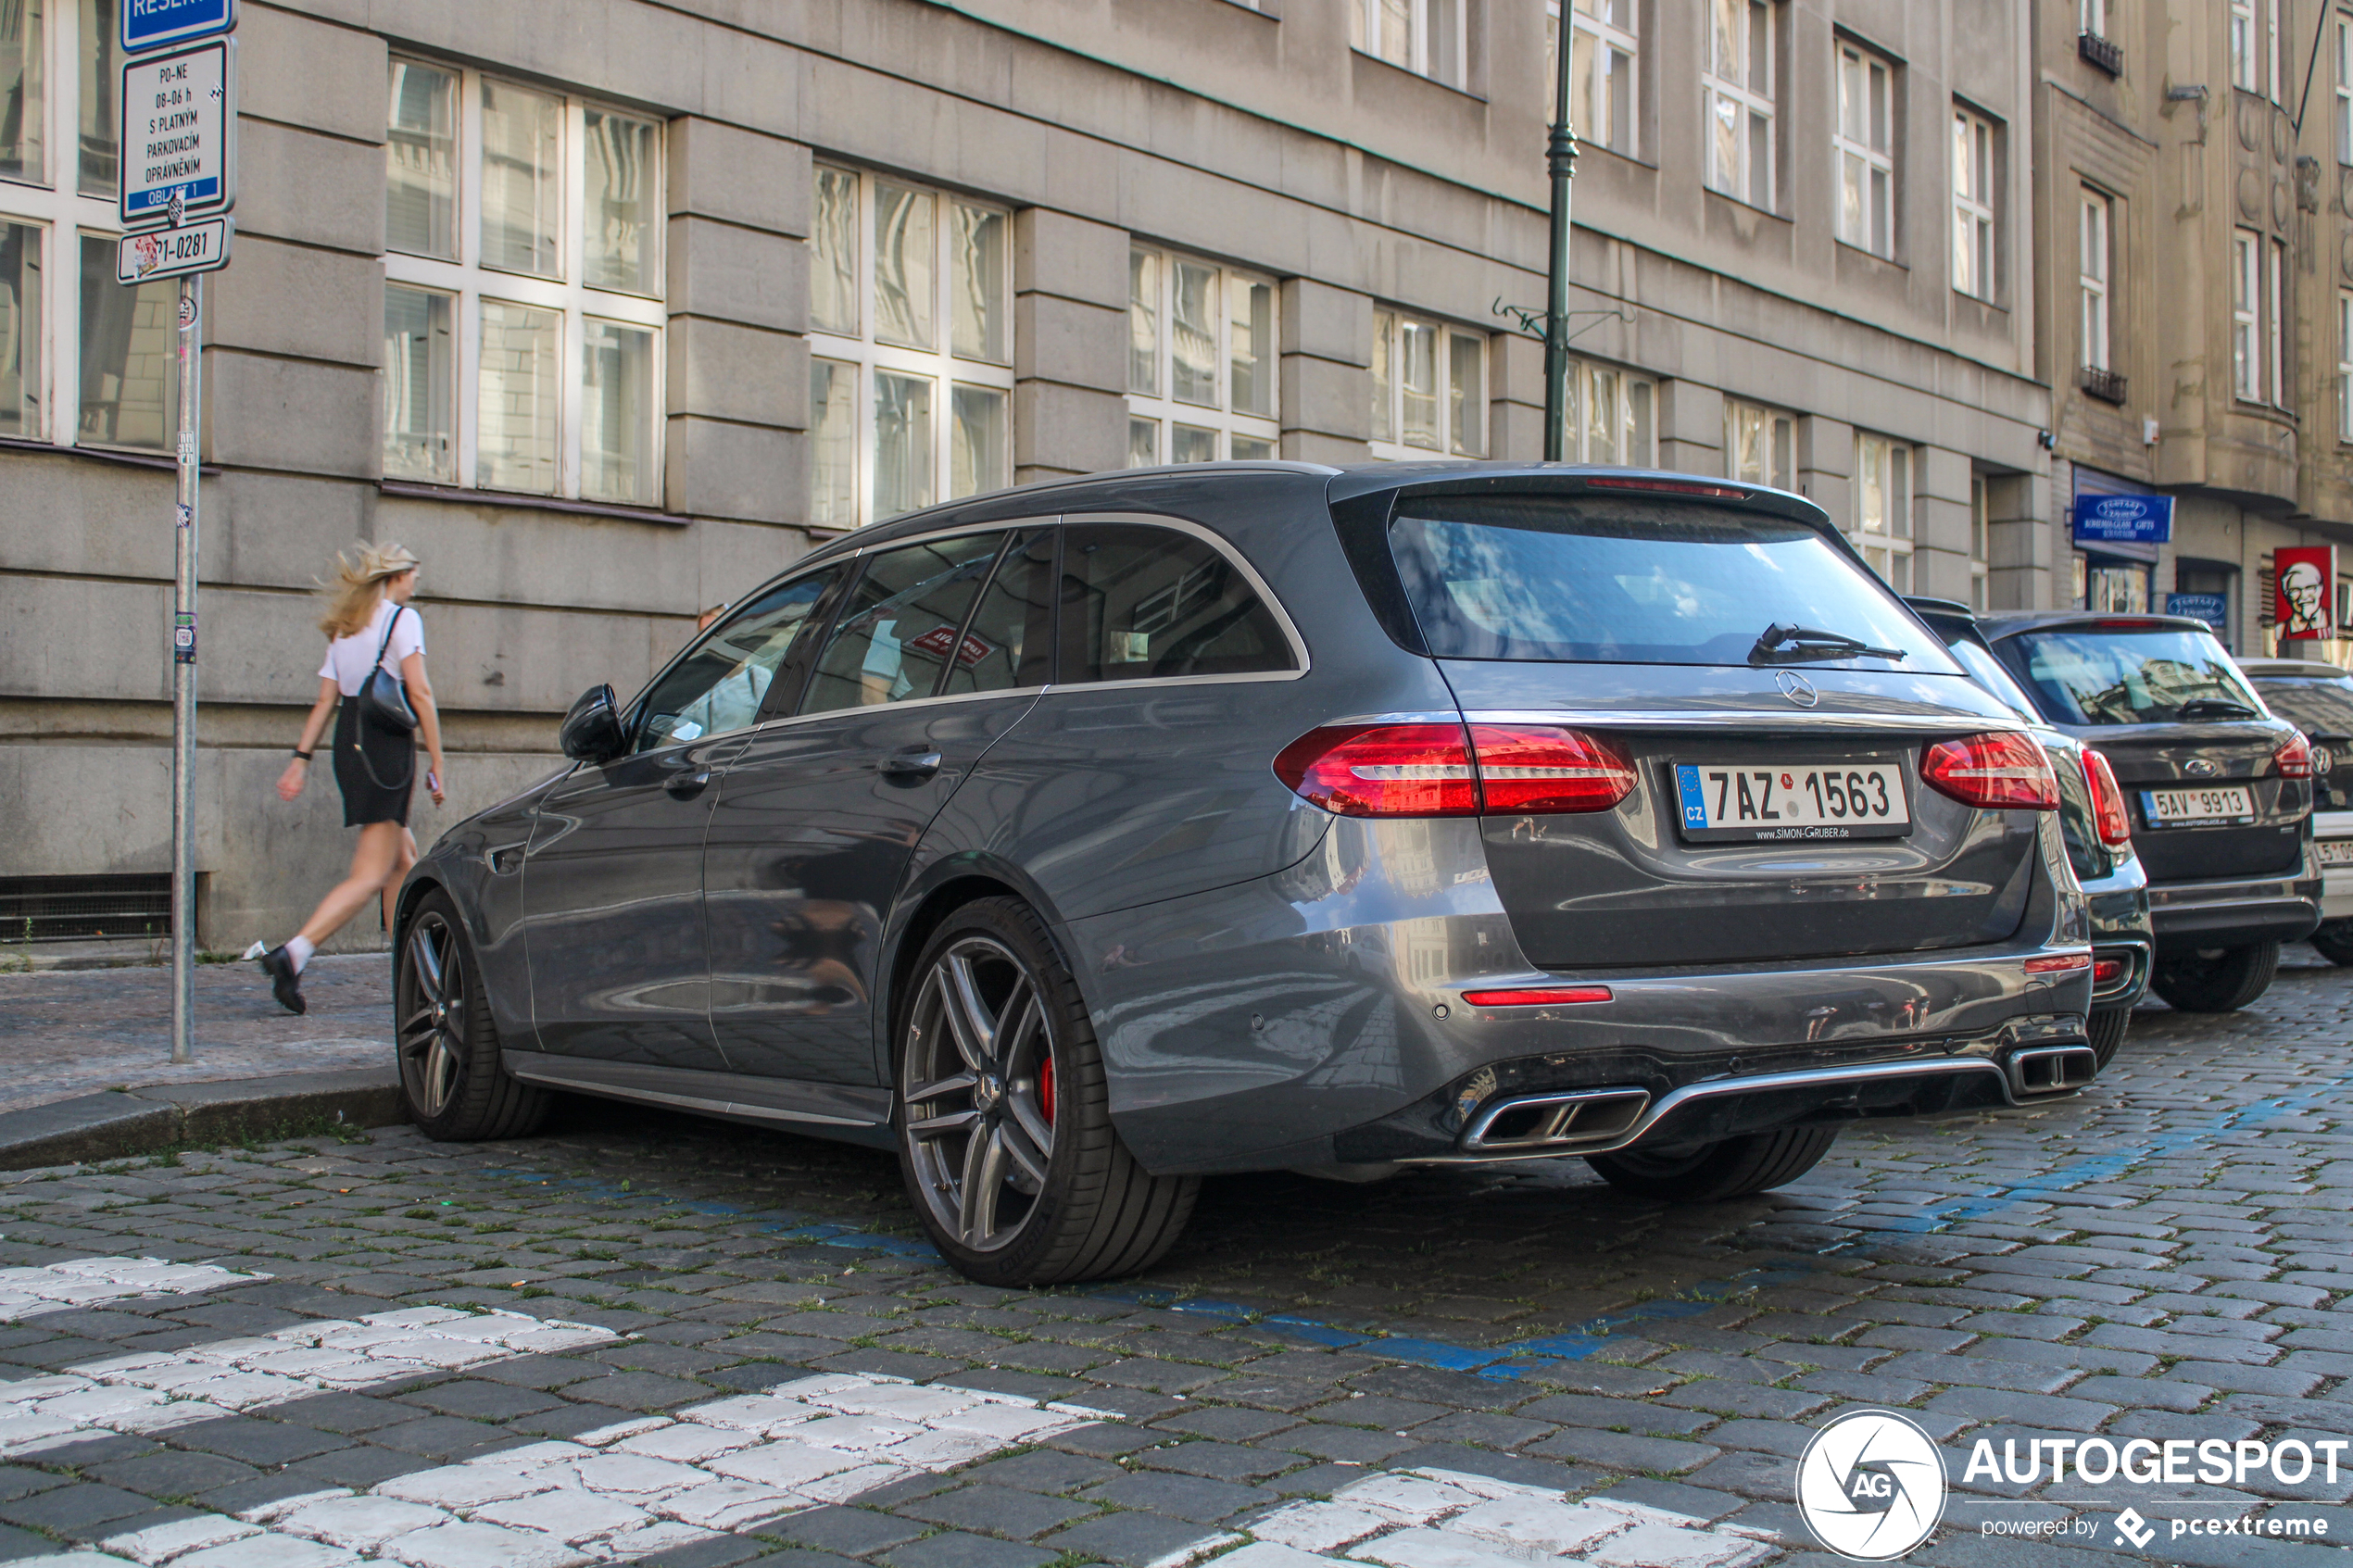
2094 264
2247 315
65 217
1976 238
1779 427
1632 415
942 366
1390 328
468 282
1729 95
1863 151
2275 324
2092 18
2246 66
2345 90
1161 408
1437 37
1596 44
2274 60
1884 537
2345 365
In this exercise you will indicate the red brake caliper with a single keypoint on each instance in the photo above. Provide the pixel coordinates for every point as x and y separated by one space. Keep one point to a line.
1046 1089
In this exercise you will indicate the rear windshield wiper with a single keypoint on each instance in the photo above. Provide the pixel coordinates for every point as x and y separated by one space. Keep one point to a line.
2215 707
1780 643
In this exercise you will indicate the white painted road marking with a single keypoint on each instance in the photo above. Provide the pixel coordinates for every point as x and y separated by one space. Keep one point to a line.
89 1282
152 1393
622 1491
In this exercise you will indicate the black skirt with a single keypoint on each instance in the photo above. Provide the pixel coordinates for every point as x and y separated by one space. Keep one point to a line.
375 773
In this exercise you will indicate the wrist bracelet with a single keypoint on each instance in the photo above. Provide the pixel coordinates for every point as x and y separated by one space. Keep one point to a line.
304 755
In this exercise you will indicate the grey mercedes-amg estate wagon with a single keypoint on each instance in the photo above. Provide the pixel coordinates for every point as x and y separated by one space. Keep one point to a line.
1079 840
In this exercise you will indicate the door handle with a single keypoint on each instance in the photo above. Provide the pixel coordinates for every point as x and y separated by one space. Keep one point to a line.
911 765
686 786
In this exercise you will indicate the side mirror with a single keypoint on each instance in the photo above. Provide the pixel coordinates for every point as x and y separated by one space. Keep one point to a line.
592 729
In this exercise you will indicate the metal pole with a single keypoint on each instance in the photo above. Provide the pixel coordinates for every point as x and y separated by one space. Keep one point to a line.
1560 157
183 687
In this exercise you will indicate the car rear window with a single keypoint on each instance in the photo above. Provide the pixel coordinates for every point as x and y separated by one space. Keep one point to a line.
2119 675
2319 707
1606 580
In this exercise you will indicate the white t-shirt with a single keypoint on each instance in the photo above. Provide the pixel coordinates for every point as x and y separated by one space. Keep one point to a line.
350 659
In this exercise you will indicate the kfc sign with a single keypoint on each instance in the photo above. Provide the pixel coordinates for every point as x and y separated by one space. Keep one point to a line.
2303 600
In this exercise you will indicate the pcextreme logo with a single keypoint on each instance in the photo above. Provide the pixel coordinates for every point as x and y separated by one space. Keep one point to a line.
1872 1486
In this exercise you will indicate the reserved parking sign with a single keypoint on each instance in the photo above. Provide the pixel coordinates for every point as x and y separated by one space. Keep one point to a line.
158 24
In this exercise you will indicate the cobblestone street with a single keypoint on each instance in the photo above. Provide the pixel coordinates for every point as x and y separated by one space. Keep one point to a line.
646 1337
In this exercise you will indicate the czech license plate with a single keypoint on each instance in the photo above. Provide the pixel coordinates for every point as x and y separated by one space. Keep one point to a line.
2335 851
2201 807
1747 800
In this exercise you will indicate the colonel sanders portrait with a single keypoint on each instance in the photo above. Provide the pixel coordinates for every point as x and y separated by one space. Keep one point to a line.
2307 597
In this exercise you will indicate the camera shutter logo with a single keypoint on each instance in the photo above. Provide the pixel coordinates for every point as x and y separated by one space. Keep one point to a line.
1872 1486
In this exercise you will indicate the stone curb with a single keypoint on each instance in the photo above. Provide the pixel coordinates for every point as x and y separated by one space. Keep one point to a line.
158 1116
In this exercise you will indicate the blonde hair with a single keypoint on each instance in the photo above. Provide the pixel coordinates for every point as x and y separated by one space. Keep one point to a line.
358 584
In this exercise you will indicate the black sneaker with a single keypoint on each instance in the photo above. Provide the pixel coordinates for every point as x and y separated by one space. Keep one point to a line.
284 984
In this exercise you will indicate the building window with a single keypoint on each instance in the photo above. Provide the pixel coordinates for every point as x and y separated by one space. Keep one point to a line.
2092 278
1864 145
1603 66
1972 205
1980 569
2275 325
1425 37
2246 59
1761 444
1610 419
2345 367
83 360
1883 509
2345 90
911 339
1201 362
1429 388
522 289
2247 296
1739 91
2092 17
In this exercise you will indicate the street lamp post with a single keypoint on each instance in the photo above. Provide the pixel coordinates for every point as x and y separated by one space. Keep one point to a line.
1560 157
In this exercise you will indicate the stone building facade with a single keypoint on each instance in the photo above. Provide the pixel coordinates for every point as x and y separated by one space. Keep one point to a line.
2196 293
608 309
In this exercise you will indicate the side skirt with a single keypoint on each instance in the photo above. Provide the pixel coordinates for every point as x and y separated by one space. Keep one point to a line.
850 1113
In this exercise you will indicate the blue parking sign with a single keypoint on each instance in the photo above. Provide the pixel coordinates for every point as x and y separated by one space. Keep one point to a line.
154 24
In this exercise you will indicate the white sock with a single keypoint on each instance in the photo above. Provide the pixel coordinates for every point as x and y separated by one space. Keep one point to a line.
299 949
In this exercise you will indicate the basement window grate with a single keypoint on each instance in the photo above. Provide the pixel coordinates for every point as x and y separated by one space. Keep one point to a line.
83 908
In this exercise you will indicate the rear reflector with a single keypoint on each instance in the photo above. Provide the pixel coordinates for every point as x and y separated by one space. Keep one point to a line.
2057 963
2108 800
1672 487
2107 971
2295 757
1442 770
1558 996
2001 771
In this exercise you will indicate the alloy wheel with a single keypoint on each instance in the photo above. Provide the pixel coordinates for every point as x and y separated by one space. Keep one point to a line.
979 1093
432 1014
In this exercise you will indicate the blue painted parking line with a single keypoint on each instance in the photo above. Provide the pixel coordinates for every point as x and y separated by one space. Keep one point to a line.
783 1223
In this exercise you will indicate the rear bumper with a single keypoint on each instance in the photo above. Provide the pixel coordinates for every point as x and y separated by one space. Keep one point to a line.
2336 892
2189 915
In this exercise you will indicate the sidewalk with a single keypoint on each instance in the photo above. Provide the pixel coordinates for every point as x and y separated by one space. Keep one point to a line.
65 1033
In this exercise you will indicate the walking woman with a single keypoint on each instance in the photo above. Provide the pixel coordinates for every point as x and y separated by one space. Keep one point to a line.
369 626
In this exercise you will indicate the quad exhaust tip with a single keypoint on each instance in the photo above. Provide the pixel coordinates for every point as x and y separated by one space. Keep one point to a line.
1567 1120
2051 1070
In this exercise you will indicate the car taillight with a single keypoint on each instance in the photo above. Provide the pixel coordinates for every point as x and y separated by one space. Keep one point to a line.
1444 771
1538 997
2108 800
2294 757
2057 963
1383 770
2002 771
2106 971
1541 768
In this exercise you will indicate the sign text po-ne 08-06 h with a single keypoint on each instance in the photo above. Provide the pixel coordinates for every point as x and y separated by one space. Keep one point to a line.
180 135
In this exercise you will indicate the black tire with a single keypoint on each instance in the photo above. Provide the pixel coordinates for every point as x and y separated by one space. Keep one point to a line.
1002 1101
446 1046
2218 979
1709 1172
2335 942
2106 1029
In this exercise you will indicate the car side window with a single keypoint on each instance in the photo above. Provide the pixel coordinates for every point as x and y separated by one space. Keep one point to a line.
901 624
719 686
1009 644
1140 602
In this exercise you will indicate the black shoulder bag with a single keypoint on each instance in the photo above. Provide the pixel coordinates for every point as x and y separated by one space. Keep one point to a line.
383 704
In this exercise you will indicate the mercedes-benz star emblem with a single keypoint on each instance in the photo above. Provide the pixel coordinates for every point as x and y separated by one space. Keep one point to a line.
1797 688
1872 1486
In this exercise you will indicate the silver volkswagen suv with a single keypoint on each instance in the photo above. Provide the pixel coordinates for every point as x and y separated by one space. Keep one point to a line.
1077 841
